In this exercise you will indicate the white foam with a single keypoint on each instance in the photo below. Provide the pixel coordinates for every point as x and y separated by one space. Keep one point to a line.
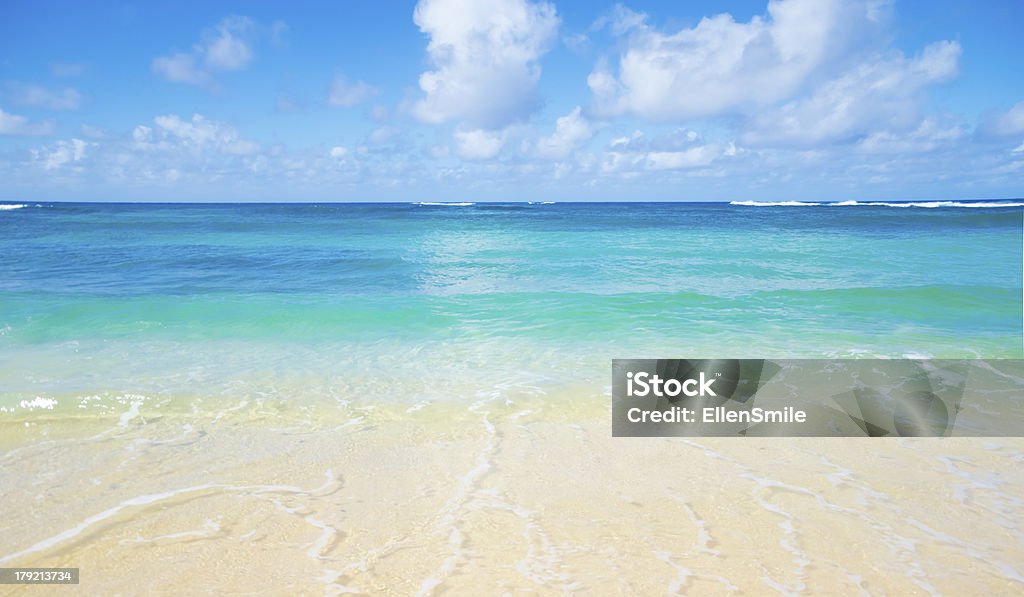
210 527
450 204
330 483
922 204
6 206
88 522
130 414
327 532
38 403
932 204
418 406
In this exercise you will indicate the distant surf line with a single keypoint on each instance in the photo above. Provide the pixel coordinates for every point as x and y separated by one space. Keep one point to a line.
922 204
469 203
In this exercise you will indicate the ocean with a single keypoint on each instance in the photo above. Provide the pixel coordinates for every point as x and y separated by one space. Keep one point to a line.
424 301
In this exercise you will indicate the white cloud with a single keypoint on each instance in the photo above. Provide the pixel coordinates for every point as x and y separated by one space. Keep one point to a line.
15 124
620 20
173 133
680 149
478 144
60 153
168 151
36 96
337 152
928 136
880 95
484 54
721 65
571 131
623 141
225 47
343 94
1004 124
688 158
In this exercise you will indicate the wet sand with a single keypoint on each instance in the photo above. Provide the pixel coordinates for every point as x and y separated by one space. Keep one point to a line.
523 496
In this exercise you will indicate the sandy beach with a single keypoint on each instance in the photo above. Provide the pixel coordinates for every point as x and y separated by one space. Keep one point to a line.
518 496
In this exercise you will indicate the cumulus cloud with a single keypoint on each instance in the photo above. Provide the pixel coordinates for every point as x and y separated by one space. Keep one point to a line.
720 64
36 96
168 150
884 94
485 59
571 131
226 50
60 154
677 150
343 94
478 144
171 132
15 124
225 47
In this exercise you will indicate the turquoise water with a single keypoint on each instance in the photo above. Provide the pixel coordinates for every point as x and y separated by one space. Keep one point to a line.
414 302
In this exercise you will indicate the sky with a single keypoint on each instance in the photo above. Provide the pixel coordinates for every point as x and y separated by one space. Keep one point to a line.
511 100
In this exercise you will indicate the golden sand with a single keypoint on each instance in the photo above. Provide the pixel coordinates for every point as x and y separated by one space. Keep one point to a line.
532 496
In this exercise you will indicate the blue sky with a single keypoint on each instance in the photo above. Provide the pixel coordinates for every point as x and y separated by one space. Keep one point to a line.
511 100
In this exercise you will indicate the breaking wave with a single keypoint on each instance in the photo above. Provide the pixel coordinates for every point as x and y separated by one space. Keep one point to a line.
924 204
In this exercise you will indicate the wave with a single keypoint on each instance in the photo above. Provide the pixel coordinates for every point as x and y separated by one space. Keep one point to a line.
450 204
934 204
541 202
12 206
924 204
